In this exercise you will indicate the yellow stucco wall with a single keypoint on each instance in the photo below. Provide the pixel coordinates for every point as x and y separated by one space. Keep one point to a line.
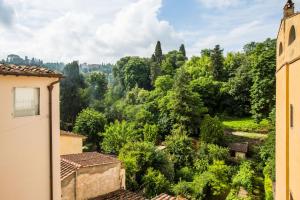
93 181
288 93
24 143
70 144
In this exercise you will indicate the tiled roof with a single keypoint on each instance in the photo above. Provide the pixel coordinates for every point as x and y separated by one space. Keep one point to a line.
71 134
22 70
120 195
67 168
167 197
239 147
90 159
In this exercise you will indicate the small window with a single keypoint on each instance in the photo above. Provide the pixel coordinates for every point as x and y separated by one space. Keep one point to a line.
292 36
280 48
26 102
292 115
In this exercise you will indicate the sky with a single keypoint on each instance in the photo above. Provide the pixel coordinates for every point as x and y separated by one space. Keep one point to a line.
97 31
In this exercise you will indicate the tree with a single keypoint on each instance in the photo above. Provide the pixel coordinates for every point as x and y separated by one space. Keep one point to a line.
138 157
181 104
158 55
155 183
73 95
211 130
90 123
263 88
171 62
179 146
182 50
137 72
98 86
218 63
117 134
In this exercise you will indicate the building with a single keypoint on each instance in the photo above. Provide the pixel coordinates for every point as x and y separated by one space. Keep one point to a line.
71 143
288 106
239 150
29 133
90 175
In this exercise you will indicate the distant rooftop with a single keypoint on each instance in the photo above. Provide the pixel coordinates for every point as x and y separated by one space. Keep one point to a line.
167 197
120 195
71 134
22 70
239 147
88 159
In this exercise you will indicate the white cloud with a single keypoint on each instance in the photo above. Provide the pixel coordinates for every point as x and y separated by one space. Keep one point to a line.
102 31
6 14
219 3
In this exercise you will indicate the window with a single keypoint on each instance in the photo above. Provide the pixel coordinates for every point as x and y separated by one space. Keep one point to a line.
292 36
292 115
26 102
280 48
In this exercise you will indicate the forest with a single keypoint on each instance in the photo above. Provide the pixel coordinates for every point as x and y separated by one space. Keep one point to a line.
164 117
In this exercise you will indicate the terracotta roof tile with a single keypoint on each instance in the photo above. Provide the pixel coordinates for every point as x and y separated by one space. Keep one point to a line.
239 147
71 134
67 168
167 197
120 195
90 159
22 70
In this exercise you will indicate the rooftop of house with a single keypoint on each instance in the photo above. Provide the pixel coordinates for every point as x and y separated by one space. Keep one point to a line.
22 70
239 147
67 168
167 197
66 133
88 159
120 194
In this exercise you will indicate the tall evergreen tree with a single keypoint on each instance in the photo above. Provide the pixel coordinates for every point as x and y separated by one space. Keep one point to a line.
182 50
218 63
158 55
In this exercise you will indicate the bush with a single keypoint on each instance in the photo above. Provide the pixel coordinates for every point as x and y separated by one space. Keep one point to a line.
245 177
150 133
155 183
212 130
90 123
180 147
117 134
212 152
185 174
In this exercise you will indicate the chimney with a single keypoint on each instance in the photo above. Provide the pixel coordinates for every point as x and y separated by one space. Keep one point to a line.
289 9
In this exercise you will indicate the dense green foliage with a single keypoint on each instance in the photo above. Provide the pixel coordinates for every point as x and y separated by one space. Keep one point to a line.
161 118
90 123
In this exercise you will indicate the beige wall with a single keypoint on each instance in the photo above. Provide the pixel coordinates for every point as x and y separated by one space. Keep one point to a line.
24 143
287 138
94 181
70 144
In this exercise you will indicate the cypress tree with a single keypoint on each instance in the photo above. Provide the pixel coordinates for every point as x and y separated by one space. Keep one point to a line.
182 50
158 53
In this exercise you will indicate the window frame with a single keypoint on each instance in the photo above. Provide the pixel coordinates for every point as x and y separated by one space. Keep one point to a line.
14 102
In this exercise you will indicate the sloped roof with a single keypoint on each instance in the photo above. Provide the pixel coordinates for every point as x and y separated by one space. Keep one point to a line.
90 159
120 195
167 197
67 168
239 147
71 134
23 70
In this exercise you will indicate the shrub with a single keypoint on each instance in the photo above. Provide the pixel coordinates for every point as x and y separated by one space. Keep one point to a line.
90 123
211 130
150 133
155 183
117 134
245 177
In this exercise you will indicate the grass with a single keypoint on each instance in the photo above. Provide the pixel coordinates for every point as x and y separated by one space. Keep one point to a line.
247 125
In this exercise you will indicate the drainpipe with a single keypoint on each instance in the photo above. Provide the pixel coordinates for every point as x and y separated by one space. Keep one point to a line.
50 88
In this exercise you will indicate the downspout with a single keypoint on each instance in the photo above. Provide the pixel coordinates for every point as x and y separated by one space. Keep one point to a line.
50 88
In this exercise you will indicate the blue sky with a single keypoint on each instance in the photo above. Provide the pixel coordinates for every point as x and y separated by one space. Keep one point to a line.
97 31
